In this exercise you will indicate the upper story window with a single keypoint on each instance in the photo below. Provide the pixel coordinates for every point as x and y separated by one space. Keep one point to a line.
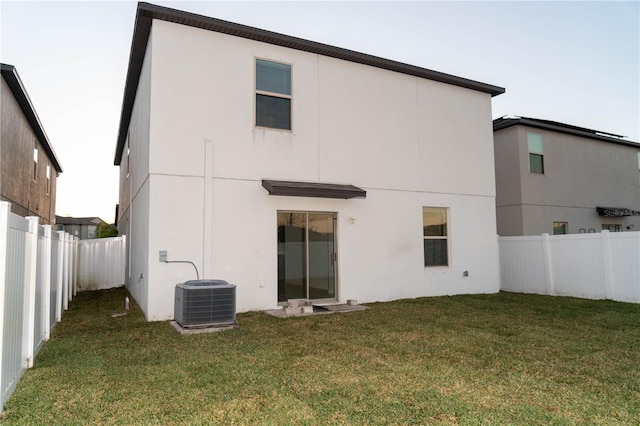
35 164
273 95
435 236
536 159
48 180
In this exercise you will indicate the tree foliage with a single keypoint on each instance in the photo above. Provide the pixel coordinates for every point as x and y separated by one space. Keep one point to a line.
105 230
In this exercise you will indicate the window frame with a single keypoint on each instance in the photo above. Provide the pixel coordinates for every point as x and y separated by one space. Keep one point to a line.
446 237
35 164
611 227
257 93
533 152
48 175
564 224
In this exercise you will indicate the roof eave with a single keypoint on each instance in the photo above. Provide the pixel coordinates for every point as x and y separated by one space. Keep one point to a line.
500 124
11 76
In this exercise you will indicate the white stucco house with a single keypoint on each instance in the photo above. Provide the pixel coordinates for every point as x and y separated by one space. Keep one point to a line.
295 169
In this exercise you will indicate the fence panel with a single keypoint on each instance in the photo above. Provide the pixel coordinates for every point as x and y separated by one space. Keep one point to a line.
625 266
15 293
33 270
594 266
522 265
42 290
101 263
578 265
55 296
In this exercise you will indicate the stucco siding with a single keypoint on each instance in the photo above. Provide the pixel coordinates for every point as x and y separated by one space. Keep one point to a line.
580 174
396 136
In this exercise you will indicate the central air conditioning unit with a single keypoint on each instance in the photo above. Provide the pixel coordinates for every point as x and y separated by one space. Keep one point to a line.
203 303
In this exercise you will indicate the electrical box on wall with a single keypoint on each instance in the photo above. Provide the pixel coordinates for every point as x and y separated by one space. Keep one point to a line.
163 255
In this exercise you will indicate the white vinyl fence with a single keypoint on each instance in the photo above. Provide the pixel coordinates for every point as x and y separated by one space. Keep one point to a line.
37 282
102 263
594 266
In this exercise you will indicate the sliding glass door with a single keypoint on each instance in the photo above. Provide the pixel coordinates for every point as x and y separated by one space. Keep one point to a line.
306 255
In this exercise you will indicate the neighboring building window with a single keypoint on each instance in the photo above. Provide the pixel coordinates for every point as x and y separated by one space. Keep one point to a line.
611 227
559 228
48 180
91 231
35 164
435 235
536 159
59 227
273 95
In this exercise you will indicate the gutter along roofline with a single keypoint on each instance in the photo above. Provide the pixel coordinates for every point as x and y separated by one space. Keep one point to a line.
147 12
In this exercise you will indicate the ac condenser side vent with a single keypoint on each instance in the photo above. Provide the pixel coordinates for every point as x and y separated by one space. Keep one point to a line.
203 303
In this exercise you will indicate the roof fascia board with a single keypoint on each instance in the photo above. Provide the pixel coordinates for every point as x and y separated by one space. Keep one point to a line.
11 76
147 12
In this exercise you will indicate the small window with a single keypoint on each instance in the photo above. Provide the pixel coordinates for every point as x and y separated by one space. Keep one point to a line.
536 159
91 231
48 180
273 95
435 236
35 164
611 227
560 228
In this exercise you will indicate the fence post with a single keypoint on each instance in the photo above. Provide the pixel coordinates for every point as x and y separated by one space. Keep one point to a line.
46 251
548 271
31 256
5 209
65 269
60 276
75 260
606 264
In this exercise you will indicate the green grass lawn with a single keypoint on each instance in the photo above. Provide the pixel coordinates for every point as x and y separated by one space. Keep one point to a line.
481 359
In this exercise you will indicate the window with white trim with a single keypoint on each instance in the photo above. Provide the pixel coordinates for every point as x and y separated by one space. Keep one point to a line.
273 95
435 236
48 179
536 159
35 163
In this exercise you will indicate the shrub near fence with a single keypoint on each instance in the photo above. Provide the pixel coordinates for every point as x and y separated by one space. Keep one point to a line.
37 282
593 266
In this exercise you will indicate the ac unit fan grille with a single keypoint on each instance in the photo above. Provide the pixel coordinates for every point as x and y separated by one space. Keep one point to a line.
205 305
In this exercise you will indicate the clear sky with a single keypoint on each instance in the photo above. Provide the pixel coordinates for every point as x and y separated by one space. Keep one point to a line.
572 62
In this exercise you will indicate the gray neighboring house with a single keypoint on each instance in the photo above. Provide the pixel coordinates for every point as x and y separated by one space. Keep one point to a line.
561 179
82 227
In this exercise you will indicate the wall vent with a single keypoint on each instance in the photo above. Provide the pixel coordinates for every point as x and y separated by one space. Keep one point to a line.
203 303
